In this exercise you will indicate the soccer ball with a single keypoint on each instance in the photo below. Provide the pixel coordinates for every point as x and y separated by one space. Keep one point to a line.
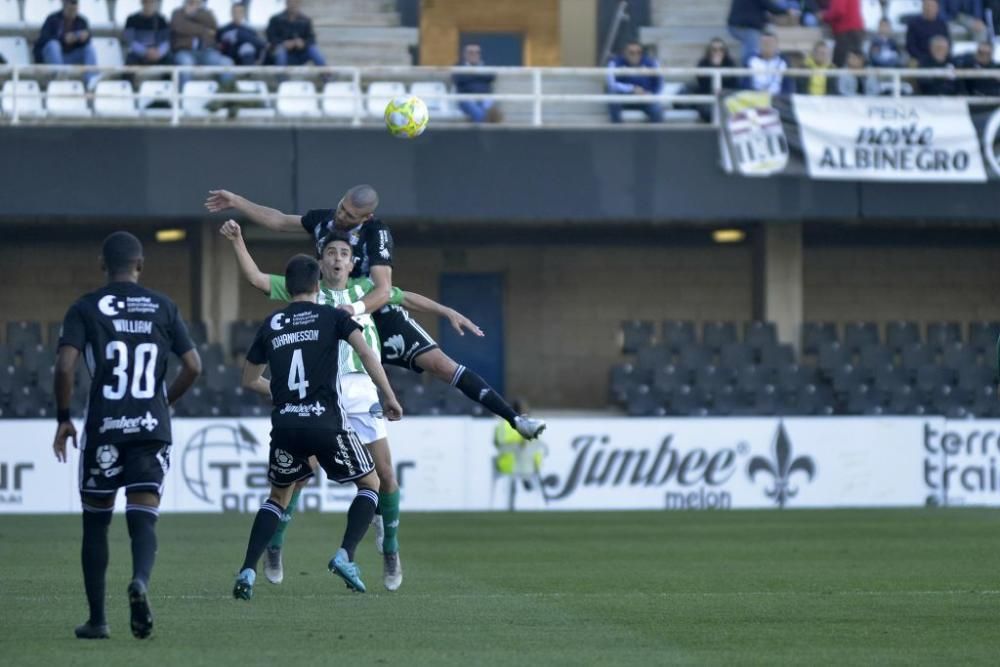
406 116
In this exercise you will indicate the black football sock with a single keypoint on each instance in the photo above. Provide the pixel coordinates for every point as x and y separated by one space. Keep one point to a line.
263 529
476 388
359 515
94 558
142 530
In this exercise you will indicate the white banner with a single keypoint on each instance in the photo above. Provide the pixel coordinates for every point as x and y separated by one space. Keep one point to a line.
448 464
929 139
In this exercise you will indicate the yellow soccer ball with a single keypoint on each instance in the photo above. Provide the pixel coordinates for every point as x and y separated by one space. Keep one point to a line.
406 116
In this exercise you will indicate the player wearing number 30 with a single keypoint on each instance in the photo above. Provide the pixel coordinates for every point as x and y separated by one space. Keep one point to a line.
125 333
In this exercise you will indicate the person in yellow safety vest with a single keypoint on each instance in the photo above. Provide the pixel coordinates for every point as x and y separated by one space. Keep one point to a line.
517 458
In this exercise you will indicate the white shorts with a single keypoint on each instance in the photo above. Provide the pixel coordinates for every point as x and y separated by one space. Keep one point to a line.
359 399
368 427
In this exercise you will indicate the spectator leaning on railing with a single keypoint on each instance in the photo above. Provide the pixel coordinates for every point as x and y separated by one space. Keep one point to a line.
883 50
921 29
848 27
853 80
967 13
638 85
240 42
477 111
939 58
747 20
982 59
65 40
768 68
147 36
292 39
192 37
819 63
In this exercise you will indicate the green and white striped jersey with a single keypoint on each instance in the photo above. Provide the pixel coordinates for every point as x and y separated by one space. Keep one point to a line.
350 362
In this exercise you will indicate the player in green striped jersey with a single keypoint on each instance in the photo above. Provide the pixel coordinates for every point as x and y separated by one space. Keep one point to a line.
357 392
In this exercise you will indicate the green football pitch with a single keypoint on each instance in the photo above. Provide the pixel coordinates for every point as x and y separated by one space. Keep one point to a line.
641 588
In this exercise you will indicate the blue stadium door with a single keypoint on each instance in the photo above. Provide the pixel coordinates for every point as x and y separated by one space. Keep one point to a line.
479 296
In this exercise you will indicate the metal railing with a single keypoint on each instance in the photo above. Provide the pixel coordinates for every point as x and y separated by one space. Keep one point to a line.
17 106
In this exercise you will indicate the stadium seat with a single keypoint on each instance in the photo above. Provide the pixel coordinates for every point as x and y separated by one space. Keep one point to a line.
211 354
5 357
962 48
652 356
871 14
125 8
635 334
198 331
154 98
958 355
241 335
196 98
10 15
437 107
694 357
775 356
860 334
36 11
712 379
941 334
258 103
220 378
873 355
669 378
677 334
983 336
31 402
15 50
832 355
108 51
759 335
793 378
815 334
623 380
735 355
29 99
339 98
261 11
716 334
931 378
380 93
67 99
21 335
843 378
33 357
97 14
115 99
900 334
297 99
915 356
222 9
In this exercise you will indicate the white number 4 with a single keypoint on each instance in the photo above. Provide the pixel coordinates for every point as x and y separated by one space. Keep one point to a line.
297 374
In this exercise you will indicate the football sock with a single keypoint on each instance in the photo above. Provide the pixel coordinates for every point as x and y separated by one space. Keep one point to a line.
388 503
141 521
264 525
476 388
94 558
278 540
359 515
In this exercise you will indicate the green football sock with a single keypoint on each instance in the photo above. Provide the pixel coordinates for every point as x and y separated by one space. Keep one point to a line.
389 504
279 535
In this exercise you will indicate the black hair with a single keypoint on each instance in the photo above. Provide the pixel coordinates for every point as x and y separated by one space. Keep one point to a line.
301 275
330 237
363 197
121 251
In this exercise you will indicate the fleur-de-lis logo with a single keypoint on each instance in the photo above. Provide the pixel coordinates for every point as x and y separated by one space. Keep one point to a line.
782 468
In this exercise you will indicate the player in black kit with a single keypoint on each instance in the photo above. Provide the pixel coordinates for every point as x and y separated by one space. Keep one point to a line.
404 342
125 333
301 344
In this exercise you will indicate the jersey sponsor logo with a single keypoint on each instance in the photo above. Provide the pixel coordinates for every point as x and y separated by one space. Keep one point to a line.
395 345
279 321
383 244
303 410
110 305
129 424
376 411
343 456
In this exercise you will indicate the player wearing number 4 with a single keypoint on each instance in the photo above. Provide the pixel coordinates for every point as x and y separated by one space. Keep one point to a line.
125 333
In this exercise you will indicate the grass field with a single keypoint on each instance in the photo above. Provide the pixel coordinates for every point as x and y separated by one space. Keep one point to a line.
858 587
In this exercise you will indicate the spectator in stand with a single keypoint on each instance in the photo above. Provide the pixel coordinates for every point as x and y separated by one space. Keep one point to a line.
65 40
810 13
768 68
240 42
922 29
848 27
967 13
747 20
192 38
819 62
477 111
982 59
638 85
883 51
853 80
939 58
292 39
147 36
716 56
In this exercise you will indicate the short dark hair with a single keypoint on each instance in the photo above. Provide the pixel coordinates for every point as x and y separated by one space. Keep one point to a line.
301 275
363 197
330 237
121 250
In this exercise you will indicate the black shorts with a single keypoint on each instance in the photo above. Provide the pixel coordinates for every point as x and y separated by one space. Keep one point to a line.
137 466
403 340
341 454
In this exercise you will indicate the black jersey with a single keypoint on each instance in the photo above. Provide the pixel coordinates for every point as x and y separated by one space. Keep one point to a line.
371 241
126 332
301 344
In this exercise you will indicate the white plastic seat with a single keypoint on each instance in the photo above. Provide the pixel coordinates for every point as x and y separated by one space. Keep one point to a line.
871 14
10 15
168 7
36 11
380 93
257 92
115 99
196 97
898 9
29 99
155 91
15 50
97 14
298 99
338 99
67 99
108 51
124 9
223 10
261 11
963 48
430 92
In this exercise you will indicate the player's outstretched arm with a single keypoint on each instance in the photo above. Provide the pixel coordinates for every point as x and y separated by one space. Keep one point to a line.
391 407
66 360
253 379
459 322
272 218
231 230
380 294
190 370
